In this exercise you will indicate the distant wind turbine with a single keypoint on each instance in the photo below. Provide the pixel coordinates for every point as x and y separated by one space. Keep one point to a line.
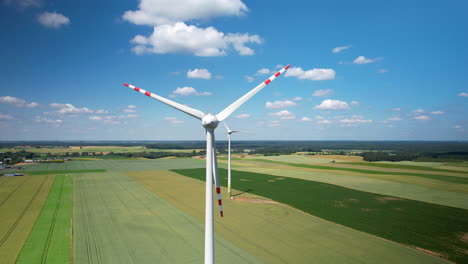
210 122
229 131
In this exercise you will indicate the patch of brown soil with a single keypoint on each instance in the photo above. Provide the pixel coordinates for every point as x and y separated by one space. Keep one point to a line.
430 252
280 178
464 237
340 204
245 180
270 180
353 200
388 198
252 200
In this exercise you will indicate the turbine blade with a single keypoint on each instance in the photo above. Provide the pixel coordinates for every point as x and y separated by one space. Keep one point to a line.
188 110
227 128
228 110
216 180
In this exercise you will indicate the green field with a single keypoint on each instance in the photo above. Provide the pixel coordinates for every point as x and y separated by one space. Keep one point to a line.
117 221
275 233
117 165
50 239
404 221
105 149
21 200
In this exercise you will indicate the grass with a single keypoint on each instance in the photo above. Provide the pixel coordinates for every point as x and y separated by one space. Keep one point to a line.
117 165
62 172
105 149
433 227
50 238
275 233
452 179
401 166
414 188
118 221
21 200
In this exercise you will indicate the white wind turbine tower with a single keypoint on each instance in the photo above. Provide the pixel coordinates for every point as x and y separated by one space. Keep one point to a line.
210 122
229 131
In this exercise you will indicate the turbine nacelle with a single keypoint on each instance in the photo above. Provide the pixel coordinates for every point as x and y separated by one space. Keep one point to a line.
210 121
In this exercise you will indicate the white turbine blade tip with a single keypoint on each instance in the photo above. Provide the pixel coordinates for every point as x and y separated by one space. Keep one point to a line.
230 109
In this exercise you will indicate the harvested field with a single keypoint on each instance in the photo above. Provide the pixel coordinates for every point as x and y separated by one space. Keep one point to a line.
21 200
50 238
118 221
453 179
275 233
429 226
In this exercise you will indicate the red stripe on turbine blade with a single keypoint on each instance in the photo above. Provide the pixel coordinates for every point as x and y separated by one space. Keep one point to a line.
126 84
219 202
218 190
136 89
277 74
267 81
221 213
287 67
147 93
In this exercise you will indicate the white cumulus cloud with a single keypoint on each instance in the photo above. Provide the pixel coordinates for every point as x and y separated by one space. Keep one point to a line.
306 119
53 19
313 74
70 109
283 115
437 112
17 102
279 104
364 60
395 118
173 120
249 79
330 104
322 93
158 12
42 119
186 91
199 74
422 117
355 119
5 117
242 116
189 39
263 71
463 94
297 98
339 49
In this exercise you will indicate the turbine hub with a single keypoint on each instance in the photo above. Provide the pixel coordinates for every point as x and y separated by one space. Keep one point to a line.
210 121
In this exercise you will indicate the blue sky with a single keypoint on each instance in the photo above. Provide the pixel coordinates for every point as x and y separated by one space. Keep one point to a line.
361 70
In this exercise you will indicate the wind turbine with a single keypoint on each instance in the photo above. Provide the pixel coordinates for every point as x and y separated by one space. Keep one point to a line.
210 122
229 156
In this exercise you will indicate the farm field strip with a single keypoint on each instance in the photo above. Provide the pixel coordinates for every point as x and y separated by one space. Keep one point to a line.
50 238
278 234
19 214
116 165
402 166
118 221
91 149
453 179
414 223
414 188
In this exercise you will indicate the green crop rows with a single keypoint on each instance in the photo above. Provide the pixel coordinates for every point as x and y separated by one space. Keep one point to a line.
49 240
433 227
